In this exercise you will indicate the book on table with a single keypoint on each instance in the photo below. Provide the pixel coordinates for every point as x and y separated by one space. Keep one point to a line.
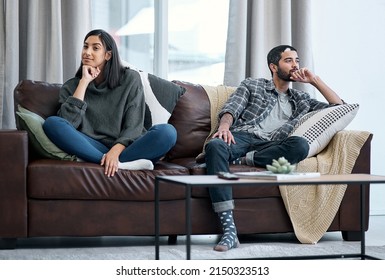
268 175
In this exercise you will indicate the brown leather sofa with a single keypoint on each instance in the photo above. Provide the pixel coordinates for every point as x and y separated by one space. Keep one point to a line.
47 197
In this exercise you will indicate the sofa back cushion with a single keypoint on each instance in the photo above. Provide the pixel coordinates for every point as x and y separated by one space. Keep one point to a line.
191 115
191 118
41 98
34 102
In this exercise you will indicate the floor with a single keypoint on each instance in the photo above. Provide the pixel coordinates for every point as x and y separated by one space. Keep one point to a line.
375 236
111 248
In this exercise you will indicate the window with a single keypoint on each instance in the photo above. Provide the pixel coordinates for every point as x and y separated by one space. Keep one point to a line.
195 41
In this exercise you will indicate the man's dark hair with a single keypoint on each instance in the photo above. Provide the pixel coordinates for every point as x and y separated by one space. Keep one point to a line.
274 55
113 69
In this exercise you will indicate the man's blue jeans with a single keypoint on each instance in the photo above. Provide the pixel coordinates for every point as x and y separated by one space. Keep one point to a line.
219 154
158 140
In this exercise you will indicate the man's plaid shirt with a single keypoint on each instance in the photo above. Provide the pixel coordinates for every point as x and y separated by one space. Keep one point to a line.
254 99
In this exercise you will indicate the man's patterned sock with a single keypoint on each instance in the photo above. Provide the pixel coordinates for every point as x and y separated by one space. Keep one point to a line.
241 160
229 238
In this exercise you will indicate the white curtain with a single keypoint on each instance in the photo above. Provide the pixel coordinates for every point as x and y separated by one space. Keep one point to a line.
256 26
39 40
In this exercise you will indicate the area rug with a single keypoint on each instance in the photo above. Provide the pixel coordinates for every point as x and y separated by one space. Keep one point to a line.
198 252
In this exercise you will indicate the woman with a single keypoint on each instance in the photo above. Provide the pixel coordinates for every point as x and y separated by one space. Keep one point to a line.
101 118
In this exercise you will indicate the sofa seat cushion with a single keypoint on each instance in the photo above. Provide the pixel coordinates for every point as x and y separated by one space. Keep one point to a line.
243 192
55 179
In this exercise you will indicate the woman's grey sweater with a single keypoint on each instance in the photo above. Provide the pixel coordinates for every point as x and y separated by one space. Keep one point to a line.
110 116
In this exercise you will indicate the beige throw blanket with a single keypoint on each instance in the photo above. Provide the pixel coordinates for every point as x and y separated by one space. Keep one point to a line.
217 96
311 208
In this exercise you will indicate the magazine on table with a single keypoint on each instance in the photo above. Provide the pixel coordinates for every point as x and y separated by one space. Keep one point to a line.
268 175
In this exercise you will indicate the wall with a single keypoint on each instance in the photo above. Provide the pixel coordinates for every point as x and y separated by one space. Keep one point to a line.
349 40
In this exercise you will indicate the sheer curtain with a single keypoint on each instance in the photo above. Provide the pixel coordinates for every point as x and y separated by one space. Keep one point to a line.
256 26
39 40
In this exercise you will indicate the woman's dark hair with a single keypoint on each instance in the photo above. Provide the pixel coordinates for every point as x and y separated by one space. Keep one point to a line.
275 54
113 69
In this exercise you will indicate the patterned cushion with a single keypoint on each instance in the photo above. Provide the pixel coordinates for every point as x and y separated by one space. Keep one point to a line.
319 127
161 97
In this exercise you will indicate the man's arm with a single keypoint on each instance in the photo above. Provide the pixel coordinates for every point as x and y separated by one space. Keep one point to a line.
304 75
224 129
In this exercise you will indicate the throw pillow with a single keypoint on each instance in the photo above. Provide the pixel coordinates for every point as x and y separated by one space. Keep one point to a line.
33 124
161 97
319 127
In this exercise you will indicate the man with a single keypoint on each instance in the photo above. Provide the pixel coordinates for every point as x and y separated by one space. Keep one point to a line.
255 124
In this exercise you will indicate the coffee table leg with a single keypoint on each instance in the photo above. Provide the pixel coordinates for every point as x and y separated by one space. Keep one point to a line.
156 219
188 222
362 207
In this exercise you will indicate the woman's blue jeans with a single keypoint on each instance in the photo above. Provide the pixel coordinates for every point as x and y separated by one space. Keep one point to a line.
153 145
219 154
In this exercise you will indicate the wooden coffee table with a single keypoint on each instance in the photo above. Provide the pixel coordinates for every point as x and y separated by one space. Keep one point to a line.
189 181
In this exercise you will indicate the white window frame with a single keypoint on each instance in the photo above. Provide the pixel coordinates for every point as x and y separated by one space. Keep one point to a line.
161 38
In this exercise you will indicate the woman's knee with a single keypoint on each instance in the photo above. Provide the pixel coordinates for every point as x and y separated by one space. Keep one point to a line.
166 133
170 132
52 123
49 122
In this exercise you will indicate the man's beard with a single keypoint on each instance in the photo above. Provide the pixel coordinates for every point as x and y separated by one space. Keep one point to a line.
283 76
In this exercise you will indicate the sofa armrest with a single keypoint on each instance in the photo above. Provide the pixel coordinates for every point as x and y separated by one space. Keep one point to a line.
13 180
362 164
349 213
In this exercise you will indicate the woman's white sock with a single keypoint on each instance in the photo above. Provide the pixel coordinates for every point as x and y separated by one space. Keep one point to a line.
136 164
